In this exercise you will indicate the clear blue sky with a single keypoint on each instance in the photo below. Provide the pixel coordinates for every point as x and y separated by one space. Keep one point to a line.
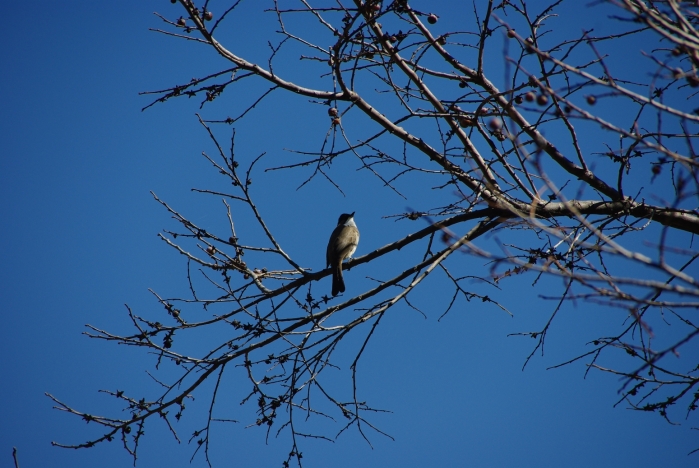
78 241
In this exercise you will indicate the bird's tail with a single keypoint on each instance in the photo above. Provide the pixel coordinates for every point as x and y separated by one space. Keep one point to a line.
338 280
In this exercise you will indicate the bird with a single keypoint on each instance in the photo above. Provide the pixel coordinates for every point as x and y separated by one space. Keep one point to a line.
343 242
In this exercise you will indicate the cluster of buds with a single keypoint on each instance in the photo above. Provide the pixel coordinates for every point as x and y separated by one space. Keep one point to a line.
206 15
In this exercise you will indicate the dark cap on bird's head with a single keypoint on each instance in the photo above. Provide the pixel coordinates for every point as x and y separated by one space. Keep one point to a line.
345 217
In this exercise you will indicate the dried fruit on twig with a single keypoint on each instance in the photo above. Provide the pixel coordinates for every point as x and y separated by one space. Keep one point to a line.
591 100
528 42
208 16
542 99
432 18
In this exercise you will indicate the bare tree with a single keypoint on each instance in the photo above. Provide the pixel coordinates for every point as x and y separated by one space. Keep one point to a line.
513 161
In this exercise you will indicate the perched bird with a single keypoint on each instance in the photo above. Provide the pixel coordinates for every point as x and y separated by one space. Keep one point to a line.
343 242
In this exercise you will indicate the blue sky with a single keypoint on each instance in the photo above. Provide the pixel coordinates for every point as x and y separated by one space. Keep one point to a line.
79 159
